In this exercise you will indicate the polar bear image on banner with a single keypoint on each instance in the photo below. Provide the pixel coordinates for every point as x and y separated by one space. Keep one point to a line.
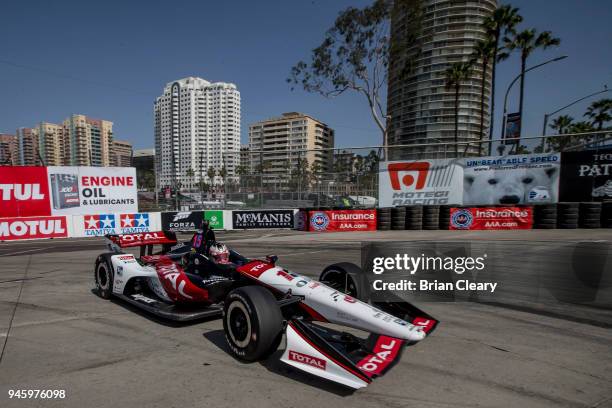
511 180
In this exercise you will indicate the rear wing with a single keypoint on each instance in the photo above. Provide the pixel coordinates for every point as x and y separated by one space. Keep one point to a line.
145 240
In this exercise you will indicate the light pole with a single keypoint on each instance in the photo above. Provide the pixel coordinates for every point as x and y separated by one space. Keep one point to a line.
508 92
548 115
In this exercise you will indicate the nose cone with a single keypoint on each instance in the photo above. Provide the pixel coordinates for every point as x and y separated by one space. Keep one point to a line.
415 333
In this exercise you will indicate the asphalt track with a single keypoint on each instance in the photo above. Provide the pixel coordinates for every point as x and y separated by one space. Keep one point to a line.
56 334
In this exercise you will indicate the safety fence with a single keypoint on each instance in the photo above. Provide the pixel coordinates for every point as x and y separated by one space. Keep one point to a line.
322 219
284 176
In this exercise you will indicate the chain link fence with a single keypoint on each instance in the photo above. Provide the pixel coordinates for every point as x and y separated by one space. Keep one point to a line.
278 177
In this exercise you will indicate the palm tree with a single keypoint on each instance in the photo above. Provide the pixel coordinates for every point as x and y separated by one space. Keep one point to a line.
211 175
455 75
527 41
600 112
561 125
504 20
484 51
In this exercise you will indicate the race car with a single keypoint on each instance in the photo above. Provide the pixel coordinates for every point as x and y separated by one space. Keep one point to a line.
260 302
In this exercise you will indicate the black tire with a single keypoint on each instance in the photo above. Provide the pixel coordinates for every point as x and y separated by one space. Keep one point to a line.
545 226
252 322
568 226
347 278
104 276
398 227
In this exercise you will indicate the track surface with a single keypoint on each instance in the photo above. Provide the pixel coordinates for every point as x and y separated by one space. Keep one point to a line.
105 354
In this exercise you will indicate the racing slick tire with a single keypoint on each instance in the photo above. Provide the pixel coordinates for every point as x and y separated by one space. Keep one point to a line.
252 322
347 278
104 276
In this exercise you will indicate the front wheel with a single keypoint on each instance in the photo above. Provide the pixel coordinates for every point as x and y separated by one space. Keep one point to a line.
347 278
252 322
104 277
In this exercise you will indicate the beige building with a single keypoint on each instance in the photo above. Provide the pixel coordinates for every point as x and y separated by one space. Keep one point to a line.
78 141
278 144
52 144
121 154
8 149
27 147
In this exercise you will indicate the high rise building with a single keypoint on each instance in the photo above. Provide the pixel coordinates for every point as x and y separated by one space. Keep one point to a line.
121 154
197 127
27 147
88 141
52 144
8 150
78 141
277 144
421 109
144 159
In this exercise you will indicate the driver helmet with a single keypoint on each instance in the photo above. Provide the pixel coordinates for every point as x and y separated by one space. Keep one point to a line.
219 253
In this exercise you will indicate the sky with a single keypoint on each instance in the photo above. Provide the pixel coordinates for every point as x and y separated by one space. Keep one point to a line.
111 59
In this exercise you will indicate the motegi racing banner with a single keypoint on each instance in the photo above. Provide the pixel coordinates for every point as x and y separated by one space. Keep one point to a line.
182 221
420 182
491 218
511 180
586 175
262 219
28 191
342 220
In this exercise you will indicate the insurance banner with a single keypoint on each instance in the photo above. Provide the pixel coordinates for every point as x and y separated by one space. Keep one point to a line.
28 191
342 220
491 218
586 175
420 182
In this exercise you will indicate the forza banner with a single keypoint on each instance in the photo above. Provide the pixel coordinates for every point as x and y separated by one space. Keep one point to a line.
491 218
420 182
182 221
33 228
511 180
342 220
586 175
29 191
244 219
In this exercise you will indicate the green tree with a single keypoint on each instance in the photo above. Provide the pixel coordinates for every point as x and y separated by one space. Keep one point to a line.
454 76
526 42
561 125
354 55
211 173
503 21
484 51
600 112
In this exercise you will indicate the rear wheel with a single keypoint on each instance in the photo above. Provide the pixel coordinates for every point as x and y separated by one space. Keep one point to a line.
104 277
252 322
347 278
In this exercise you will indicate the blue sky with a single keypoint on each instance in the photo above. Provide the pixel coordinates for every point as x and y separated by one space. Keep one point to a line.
111 59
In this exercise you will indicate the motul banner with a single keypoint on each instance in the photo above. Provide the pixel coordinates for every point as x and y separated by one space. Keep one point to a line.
342 220
32 228
491 218
43 191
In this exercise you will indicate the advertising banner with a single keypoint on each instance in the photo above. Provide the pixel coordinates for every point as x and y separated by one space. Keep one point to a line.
512 128
342 220
244 219
182 221
511 180
42 191
93 190
93 225
422 182
215 218
586 175
33 228
491 218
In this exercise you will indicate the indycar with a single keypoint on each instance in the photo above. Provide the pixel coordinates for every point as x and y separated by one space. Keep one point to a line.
260 302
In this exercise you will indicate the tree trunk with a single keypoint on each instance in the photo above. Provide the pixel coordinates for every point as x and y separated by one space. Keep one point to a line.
523 62
493 72
457 120
482 103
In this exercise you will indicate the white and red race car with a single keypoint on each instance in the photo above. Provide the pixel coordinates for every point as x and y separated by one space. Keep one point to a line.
260 302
